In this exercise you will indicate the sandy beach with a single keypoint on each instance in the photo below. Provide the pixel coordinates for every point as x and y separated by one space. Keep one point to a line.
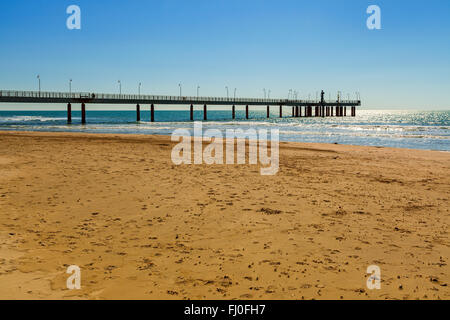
140 227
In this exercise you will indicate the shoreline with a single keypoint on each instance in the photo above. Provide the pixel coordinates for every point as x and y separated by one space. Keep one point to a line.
140 135
140 227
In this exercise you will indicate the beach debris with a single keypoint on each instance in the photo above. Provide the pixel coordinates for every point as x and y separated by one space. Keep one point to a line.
340 212
269 211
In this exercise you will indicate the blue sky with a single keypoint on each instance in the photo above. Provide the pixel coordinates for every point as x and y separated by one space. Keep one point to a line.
245 44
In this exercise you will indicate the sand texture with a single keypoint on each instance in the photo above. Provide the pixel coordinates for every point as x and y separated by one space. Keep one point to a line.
140 227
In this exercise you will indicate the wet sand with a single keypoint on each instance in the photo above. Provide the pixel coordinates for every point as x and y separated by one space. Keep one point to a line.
140 227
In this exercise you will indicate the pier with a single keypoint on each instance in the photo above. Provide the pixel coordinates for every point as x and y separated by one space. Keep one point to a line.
299 108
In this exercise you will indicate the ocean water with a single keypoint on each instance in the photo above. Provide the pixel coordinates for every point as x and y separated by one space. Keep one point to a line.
413 129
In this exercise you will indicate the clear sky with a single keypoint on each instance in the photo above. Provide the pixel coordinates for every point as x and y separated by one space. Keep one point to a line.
245 44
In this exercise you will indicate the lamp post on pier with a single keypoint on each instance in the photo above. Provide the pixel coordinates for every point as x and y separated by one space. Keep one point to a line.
39 79
120 87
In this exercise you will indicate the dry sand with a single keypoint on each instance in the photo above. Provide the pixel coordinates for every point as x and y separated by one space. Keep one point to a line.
140 227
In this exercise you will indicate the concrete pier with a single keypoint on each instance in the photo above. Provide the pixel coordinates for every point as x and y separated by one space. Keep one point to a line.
83 113
191 112
322 107
69 113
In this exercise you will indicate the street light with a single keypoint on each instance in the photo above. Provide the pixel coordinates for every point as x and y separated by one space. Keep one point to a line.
268 94
264 93
180 88
227 92
39 79
70 86
120 87
235 93
198 88
139 89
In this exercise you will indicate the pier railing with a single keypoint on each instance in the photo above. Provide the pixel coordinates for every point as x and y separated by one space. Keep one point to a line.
142 97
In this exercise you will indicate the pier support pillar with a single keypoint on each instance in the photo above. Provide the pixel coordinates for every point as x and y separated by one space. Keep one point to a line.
246 112
293 112
345 111
353 111
205 115
69 113
281 111
268 112
83 113
152 113
233 112
138 113
191 113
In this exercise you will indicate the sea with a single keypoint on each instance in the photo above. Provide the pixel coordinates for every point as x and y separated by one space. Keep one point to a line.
413 129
